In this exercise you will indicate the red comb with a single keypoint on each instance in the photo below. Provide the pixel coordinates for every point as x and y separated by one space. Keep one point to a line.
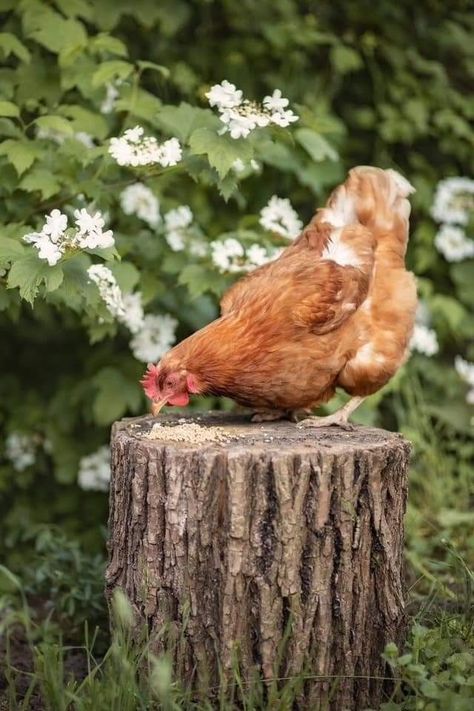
149 382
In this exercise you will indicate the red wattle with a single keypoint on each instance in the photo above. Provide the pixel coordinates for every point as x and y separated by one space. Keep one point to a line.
179 400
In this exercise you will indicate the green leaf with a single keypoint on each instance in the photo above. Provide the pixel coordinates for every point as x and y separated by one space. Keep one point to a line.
314 144
127 275
55 123
111 70
181 121
83 119
164 71
104 42
116 394
345 59
221 151
77 290
139 103
196 278
10 250
8 108
10 44
53 31
29 272
21 154
41 180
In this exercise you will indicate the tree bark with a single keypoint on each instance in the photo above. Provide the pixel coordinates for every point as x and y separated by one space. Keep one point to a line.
273 548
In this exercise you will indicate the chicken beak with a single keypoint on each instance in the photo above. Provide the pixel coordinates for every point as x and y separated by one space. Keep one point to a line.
156 406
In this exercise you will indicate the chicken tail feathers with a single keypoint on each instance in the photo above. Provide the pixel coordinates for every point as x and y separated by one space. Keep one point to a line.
375 199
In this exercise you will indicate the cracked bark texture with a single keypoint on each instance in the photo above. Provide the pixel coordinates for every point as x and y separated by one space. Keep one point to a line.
280 548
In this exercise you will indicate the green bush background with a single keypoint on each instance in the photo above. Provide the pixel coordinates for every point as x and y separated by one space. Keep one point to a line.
376 83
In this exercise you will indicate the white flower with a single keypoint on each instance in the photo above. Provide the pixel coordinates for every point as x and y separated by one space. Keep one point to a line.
122 151
465 370
238 123
171 153
84 138
94 471
453 244
227 255
176 223
109 290
175 241
56 224
134 135
111 94
453 201
279 216
135 149
139 200
224 95
154 339
47 250
90 234
238 166
424 340
49 134
51 242
241 116
178 218
257 255
284 118
20 450
423 315
275 102
133 317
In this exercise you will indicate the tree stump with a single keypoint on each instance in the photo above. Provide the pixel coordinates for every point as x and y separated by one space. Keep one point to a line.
273 548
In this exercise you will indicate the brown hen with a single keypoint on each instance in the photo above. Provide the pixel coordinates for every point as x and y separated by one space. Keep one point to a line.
336 309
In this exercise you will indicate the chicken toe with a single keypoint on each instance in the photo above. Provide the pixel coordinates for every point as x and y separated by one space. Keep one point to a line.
340 418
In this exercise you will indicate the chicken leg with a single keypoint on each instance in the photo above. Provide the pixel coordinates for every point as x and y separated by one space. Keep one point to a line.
339 418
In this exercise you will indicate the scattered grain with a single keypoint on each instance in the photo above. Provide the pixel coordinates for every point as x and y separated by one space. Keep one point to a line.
187 432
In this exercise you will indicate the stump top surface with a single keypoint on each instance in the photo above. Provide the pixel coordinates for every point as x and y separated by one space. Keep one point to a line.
229 431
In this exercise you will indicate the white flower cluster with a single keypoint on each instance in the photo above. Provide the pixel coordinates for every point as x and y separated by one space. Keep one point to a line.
279 216
241 116
465 371
229 255
94 471
20 450
109 290
55 236
453 201
452 206
48 134
239 167
111 95
155 337
452 243
424 340
153 334
135 149
139 200
181 232
133 317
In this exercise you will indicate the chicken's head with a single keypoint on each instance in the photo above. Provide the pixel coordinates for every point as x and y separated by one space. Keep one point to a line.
165 386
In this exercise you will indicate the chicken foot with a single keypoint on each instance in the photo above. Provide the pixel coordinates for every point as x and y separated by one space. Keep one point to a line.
339 418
